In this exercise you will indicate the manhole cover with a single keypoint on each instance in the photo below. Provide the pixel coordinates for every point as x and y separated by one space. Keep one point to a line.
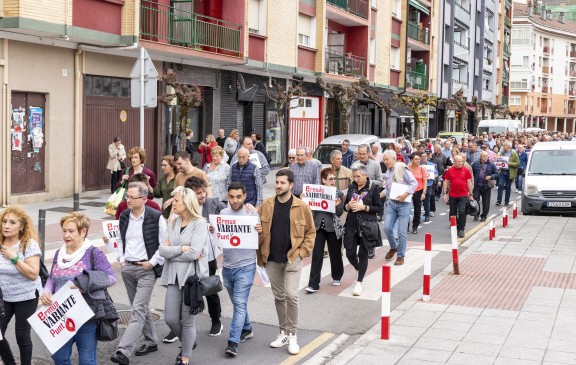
126 314
35 361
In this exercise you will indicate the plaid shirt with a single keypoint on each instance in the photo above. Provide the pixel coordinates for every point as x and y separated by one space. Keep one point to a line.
307 173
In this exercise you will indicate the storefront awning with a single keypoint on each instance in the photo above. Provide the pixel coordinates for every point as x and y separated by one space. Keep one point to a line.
417 5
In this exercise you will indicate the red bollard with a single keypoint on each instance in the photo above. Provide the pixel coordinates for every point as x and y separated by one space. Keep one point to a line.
505 217
454 245
490 227
385 325
514 211
427 267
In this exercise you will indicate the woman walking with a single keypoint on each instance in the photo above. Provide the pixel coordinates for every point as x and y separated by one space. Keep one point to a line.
217 172
116 157
19 267
231 144
166 184
76 255
419 195
362 203
185 254
330 231
137 158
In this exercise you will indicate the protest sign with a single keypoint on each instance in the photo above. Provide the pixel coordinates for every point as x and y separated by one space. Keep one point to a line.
398 189
430 171
112 231
253 157
58 323
501 162
320 197
235 231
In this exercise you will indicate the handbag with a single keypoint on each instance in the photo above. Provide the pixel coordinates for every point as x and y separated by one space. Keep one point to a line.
520 170
115 199
370 232
106 330
209 285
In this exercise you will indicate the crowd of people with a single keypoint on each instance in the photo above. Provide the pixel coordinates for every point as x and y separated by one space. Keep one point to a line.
171 243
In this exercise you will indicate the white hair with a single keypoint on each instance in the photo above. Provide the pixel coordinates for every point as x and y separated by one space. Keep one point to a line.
389 153
292 152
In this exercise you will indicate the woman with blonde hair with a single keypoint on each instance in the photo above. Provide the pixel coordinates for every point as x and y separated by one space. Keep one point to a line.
137 158
231 144
185 254
19 280
206 148
76 255
166 183
217 172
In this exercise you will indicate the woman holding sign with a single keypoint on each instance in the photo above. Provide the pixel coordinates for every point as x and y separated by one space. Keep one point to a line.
19 267
419 195
185 256
76 255
328 229
361 228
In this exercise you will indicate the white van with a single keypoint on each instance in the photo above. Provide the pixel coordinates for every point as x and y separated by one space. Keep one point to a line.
499 126
332 143
550 179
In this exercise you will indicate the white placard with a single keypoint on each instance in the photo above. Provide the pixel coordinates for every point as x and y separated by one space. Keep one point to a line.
430 171
398 189
253 157
235 231
111 230
263 275
501 162
58 323
320 197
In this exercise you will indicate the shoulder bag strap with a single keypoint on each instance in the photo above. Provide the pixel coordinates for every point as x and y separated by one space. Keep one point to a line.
92 258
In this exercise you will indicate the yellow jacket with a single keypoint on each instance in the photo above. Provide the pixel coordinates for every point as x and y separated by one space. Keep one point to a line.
302 230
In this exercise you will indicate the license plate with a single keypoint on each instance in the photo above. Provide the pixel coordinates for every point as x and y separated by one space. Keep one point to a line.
559 204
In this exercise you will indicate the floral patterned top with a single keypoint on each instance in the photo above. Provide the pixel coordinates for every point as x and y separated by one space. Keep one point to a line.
15 286
218 180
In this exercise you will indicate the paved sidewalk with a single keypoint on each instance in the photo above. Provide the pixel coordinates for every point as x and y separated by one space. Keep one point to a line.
514 303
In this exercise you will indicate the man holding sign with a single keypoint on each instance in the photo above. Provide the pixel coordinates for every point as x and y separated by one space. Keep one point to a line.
239 267
507 162
431 174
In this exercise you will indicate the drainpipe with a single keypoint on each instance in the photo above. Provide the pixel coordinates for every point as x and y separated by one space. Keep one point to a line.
5 164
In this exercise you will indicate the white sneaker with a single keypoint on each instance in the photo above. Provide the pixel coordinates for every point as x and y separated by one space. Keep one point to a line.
357 289
311 290
336 282
281 340
293 347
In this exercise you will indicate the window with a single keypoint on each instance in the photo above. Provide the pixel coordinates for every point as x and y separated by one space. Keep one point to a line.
523 84
395 58
397 9
525 61
257 16
514 100
106 86
520 37
306 30
372 51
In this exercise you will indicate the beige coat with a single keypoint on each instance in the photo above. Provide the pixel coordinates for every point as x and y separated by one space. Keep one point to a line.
113 153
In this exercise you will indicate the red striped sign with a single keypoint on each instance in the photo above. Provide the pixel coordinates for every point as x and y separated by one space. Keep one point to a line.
304 132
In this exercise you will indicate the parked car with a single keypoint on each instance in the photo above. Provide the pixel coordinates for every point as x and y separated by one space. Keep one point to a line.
332 143
385 142
499 126
550 179
447 135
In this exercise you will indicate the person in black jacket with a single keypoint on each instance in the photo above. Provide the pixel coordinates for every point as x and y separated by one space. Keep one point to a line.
483 171
363 203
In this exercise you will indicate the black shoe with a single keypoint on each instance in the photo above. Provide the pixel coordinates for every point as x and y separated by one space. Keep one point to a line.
120 358
232 349
507 203
216 329
170 338
371 253
498 204
482 219
427 219
476 217
146 349
460 233
415 231
246 334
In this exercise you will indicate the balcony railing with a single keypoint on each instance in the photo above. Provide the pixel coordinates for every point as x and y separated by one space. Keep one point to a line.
461 50
418 33
504 100
572 73
508 4
507 22
356 7
544 109
505 75
347 65
573 54
457 85
416 80
546 50
506 50
570 110
546 89
572 92
462 14
169 24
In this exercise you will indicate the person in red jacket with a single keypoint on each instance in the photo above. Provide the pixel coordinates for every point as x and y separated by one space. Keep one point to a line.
205 149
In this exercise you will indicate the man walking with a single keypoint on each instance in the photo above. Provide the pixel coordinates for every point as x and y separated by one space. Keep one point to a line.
343 174
305 171
430 182
347 154
460 181
288 235
238 269
484 172
221 138
440 160
374 171
397 207
248 174
264 166
507 173
142 229
473 153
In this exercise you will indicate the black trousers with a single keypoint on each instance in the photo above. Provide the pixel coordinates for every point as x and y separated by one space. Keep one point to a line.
417 204
433 197
115 177
484 193
458 208
334 250
213 300
357 255
22 311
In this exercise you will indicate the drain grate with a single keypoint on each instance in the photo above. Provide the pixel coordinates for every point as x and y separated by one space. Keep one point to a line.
35 361
126 314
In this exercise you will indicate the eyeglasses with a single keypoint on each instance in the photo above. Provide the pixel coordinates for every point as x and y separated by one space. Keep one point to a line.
291 158
164 165
331 179
128 197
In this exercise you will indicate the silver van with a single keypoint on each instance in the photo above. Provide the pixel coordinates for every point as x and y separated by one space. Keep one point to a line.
332 143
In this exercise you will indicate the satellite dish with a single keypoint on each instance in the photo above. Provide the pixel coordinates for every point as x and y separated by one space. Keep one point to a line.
241 83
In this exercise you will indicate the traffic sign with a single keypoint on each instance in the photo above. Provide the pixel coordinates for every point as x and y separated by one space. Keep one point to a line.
144 73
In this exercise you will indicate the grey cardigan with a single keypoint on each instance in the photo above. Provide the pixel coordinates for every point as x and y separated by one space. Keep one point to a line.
182 265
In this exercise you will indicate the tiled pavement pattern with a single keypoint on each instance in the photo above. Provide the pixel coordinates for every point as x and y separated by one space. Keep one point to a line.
520 305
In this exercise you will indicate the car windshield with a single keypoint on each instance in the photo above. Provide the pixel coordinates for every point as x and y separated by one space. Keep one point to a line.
491 129
324 150
557 162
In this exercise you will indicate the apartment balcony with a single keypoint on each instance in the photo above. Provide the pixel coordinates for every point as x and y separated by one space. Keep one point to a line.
487 95
546 50
571 110
508 4
505 76
544 109
507 22
506 50
461 50
572 92
546 90
416 80
491 4
504 100
345 64
546 70
573 54
461 14
457 85
166 24
487 65
356 7
418 33
572 73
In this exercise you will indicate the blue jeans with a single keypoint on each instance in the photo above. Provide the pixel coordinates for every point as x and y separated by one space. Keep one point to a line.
397 215
86 343
504 182
519 182
238 282
427 201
